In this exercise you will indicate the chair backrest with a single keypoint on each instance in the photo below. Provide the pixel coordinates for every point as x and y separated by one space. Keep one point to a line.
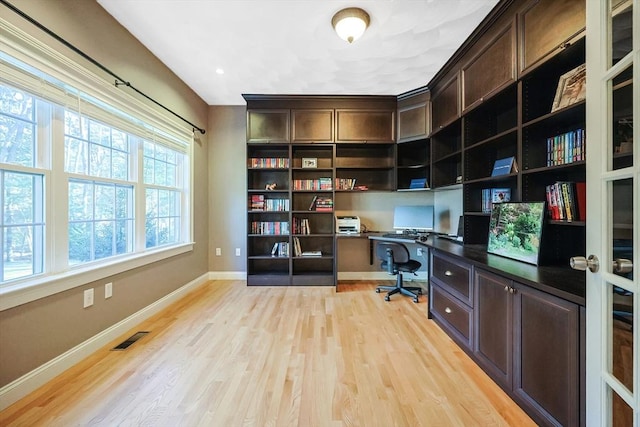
400 251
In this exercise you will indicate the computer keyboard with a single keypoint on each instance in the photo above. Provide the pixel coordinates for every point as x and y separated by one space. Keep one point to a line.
406 236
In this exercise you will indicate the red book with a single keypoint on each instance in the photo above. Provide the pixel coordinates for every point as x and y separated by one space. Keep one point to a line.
581 199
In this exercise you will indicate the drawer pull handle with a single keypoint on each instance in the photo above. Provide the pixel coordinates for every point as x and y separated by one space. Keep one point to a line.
448 273
448 310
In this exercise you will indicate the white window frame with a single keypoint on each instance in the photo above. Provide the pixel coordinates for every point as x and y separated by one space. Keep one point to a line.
58 275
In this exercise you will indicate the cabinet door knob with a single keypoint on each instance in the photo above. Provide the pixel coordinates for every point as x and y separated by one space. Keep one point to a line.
448 273
512 290
506 288
448 310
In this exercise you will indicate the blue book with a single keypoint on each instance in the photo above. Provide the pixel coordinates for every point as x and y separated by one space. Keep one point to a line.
504 166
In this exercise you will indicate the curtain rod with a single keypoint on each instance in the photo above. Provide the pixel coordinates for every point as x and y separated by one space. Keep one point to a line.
119 80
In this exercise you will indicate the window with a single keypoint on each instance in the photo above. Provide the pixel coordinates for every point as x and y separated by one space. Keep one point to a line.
86 180
21 225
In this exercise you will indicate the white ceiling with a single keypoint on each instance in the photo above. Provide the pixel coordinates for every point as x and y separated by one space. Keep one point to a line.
289 46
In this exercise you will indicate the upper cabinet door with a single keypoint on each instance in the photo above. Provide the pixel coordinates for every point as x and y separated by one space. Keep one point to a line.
413 118
491 69
310 126
445 105
268 126
369 126
546 25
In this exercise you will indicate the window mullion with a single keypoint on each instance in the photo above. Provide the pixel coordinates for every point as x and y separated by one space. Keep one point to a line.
58 207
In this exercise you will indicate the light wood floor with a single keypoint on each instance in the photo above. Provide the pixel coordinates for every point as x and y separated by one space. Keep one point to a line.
231 355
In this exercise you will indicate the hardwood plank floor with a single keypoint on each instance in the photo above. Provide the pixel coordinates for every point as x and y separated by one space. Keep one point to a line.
231 355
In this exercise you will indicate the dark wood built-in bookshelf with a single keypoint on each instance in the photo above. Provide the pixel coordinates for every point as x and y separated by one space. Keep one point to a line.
310 147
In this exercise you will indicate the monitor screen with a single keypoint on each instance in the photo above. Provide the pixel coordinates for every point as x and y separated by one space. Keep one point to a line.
413 218
515 230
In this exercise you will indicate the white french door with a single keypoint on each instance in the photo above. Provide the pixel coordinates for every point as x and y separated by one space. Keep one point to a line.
613 203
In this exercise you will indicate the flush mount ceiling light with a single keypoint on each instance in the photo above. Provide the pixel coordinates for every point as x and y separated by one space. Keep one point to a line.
350 23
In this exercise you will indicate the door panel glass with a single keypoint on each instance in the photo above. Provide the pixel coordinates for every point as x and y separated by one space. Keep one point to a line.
621 29
622 414
622 335
622 116
622 228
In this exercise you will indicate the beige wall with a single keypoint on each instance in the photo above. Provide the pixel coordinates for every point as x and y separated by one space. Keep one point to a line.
34 333
228 188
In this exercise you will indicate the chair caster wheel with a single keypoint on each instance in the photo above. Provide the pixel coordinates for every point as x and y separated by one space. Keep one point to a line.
387 298
377 291
415 300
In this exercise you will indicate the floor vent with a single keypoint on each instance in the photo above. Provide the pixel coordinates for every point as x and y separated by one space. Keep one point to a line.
133 338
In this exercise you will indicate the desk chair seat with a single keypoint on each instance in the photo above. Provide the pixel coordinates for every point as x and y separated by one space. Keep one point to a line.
395 260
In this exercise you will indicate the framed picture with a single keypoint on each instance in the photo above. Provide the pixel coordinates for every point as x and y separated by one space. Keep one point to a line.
515 230
309 162
572 88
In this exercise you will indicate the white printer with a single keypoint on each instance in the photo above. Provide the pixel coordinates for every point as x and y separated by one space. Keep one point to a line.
347 224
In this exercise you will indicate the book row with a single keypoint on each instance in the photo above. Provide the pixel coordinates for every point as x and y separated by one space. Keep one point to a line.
566 148
321 204
269 163
260 203
345 183
281 249
297 250
312 184
270 227
566 201
301 226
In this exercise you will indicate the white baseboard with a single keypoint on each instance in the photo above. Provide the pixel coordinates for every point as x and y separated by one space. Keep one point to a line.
29 382
227 275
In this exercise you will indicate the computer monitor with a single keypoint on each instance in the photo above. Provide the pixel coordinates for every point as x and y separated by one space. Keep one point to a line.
413 218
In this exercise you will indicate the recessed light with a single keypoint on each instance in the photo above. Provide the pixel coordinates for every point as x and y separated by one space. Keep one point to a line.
219 71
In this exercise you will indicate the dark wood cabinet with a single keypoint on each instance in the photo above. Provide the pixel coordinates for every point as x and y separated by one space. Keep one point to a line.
451 297
413 116
491 69
365 126
547 356
445 103
545 27
267 126
494 329
311 126
528 342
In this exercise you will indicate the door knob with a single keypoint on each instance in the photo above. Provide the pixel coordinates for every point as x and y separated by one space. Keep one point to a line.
623 266
581 263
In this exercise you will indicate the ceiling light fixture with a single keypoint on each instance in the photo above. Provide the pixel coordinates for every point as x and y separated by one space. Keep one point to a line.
350 23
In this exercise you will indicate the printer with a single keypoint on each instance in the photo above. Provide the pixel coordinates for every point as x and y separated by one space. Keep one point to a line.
347 224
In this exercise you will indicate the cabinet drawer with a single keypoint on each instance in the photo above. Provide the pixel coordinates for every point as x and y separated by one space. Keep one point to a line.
455 315
454 275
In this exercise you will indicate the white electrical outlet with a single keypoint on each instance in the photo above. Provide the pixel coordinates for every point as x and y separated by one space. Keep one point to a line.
419 251
237 251
218 251
88 298
108 290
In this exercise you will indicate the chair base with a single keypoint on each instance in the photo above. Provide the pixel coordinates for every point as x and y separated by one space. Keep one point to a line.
410 291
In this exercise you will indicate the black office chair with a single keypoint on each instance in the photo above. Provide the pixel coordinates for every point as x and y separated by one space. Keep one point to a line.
396 260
